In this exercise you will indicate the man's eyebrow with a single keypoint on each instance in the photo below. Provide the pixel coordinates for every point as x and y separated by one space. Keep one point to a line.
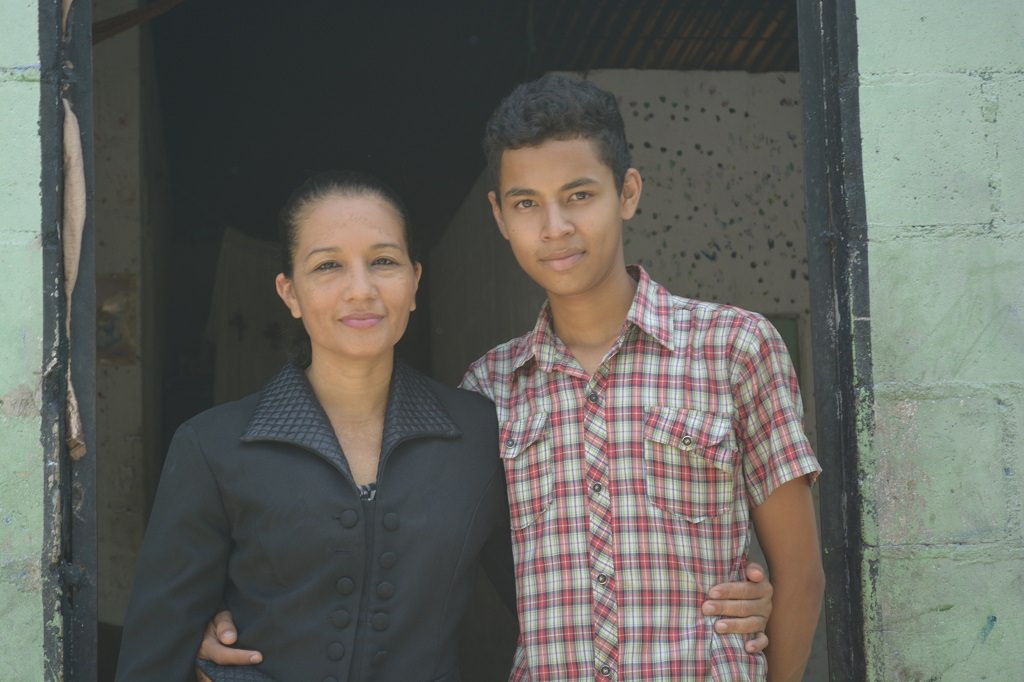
572 184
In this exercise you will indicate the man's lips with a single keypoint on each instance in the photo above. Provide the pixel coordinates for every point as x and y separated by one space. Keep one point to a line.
361 320
562 260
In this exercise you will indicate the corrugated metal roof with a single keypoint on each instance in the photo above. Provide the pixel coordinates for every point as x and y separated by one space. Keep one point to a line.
743 35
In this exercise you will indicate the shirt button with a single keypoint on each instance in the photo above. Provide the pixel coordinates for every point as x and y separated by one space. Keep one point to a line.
597 487
509 442
605 670
602 578
594 397
687 441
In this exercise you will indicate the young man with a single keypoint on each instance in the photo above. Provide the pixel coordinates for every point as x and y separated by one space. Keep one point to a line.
640 432
637 431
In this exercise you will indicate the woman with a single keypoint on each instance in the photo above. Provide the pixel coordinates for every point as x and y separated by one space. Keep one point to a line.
339 513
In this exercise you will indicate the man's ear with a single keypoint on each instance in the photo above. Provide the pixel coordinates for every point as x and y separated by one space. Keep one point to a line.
632 188
496 212
287 293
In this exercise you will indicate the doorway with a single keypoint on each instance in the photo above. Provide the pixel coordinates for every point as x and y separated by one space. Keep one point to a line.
239 100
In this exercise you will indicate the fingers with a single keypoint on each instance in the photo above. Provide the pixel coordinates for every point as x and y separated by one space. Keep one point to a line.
757 643
219 633
755 572
743 589
225 627
749 625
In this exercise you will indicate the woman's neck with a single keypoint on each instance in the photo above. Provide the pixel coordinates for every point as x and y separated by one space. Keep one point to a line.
351 391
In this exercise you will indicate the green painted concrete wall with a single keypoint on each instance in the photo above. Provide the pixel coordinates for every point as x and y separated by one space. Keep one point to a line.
21 338
942 122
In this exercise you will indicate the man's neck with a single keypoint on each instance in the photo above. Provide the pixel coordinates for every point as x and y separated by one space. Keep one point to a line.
589 325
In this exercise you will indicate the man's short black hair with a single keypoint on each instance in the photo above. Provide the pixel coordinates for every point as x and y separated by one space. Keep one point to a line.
556 107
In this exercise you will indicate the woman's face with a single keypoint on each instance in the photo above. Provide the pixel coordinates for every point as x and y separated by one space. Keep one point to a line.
353 281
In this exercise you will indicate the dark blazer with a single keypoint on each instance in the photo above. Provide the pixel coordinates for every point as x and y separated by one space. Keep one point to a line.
257 512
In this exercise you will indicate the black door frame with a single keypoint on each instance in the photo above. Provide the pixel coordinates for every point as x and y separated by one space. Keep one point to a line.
836 222
70 552
837 257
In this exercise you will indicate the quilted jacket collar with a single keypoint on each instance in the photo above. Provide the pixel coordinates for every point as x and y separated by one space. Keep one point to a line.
288 412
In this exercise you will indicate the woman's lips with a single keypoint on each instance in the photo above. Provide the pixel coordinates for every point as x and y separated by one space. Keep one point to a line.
361 320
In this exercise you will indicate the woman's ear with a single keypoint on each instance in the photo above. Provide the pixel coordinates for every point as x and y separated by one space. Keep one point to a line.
286 291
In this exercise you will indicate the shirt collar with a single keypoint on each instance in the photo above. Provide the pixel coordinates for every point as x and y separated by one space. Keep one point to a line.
650 311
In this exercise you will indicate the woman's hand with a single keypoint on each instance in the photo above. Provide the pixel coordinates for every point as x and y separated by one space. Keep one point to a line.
744 606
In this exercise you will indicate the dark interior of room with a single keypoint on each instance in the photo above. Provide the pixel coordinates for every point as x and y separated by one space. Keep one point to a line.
256 94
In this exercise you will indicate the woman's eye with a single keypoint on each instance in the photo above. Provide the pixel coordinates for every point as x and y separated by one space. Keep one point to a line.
326 265
384 260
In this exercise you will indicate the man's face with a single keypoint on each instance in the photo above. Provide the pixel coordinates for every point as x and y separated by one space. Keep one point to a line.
558 207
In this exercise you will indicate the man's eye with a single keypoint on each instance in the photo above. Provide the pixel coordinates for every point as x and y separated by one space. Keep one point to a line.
579 196
526 203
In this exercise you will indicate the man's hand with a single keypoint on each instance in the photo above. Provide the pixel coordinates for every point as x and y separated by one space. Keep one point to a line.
744 607
217 640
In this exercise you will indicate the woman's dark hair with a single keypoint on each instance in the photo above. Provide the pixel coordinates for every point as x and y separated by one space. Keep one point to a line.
556 107
314 189
336 183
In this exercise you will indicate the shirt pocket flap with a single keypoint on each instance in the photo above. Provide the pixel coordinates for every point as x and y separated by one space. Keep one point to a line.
519 434
708 435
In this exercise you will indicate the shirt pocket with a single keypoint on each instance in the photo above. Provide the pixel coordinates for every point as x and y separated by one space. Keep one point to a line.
527 453
689 462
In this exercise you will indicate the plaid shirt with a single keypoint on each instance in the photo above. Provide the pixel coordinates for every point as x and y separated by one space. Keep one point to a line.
630 490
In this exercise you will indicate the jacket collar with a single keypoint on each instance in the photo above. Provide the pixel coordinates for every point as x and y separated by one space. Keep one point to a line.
288 412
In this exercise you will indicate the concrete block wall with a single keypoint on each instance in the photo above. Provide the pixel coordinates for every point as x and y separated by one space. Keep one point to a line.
22 541
942 121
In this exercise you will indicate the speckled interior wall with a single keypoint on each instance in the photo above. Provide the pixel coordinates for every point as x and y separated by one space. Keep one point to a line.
941 96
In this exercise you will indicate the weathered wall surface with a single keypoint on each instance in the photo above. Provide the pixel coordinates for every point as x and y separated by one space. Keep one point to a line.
21 340
942 120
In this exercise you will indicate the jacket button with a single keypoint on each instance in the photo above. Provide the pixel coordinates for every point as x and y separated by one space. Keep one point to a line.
385 590
345 586
388 560
380 621
341 618
391 521
380 657
335 651
349 518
